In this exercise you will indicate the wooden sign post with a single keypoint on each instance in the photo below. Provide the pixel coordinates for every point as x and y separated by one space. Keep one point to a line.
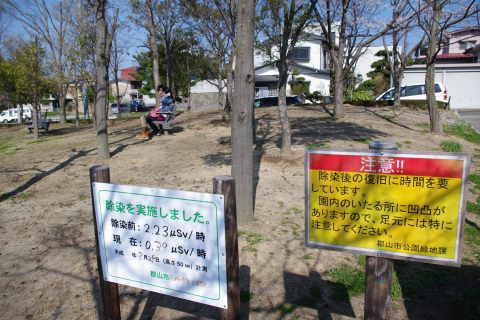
110 302
378 271
226 185
386 204
183 244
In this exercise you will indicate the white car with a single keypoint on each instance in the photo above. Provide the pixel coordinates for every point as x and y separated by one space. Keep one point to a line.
416 92
11 115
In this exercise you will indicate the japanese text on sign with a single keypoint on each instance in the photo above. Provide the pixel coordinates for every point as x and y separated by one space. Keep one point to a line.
396 204
171 242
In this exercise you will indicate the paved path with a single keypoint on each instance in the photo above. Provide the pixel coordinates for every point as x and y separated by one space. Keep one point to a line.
471 116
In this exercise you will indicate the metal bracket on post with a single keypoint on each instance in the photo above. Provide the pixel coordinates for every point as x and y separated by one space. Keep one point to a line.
378 271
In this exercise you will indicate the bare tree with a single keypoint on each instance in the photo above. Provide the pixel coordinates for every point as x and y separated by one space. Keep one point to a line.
214 22
282 25
402 26
149 9
117 56
348 30
102 61
435 17
170 25
49 23
242 157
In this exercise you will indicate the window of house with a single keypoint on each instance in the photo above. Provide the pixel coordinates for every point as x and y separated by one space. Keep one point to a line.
300 53
465 45
272 89
325 60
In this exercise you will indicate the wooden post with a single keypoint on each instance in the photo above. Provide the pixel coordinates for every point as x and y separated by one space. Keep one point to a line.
226 185
378 271
110 302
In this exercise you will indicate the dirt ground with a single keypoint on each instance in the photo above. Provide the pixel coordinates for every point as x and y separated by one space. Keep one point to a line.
48 266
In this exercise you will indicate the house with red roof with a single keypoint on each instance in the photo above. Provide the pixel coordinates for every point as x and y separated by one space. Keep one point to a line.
129 87
455 47
457 66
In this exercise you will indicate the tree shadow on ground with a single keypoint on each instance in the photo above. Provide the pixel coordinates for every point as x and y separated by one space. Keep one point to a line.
317 131
66 235
388 118
315 293
439 292
119 146
309 131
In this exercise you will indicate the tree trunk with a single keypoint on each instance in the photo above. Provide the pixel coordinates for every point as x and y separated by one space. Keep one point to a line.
61 104
35 121
118 95
92 106
227 111
396 83
339 110
20 113
169 58
337 57
282 110
154 48
220 88
101 68
77 116
395 72
435 124
242 156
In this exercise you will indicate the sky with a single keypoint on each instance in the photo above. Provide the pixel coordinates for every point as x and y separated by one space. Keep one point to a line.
131 39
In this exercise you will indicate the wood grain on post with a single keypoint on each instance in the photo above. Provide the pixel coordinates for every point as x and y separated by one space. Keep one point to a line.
378 271
378 278
226 185
110 302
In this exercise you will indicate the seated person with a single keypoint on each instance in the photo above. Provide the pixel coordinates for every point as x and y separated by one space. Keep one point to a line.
166 105
167 101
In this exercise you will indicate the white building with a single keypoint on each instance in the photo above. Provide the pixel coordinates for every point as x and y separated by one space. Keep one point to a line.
308 60
368 57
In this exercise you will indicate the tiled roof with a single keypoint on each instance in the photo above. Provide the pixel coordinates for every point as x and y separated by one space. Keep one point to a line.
454 56
127 74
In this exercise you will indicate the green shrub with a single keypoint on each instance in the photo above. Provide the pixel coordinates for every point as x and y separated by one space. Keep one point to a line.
299 87
315 96
367 85
361 96
451 146
420 104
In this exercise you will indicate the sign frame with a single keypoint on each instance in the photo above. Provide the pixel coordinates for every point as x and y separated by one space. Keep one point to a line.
216 201
456 261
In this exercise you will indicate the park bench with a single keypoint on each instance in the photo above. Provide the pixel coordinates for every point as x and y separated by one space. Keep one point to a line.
43 124
166 124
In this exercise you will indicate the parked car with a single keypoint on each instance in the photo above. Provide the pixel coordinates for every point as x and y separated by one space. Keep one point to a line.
11 115
27 114
137 105
416 92
123 108
273 101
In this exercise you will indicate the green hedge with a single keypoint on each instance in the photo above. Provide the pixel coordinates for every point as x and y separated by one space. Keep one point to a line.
412 104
